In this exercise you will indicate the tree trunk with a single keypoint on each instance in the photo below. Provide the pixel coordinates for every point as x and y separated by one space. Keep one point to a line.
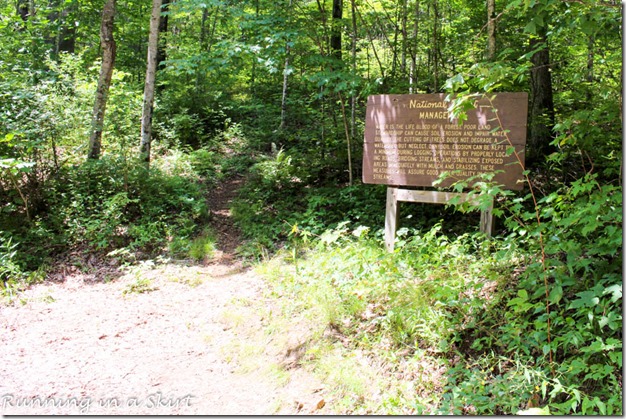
403 20
107 43
161 50
335 37
283 102
413 49
148 92
394 45
199 90
371 38
253 68
348 142
435 55
491 30
353 47
590 59
23 9
541 113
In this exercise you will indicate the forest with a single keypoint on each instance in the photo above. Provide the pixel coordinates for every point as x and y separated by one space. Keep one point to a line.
117 118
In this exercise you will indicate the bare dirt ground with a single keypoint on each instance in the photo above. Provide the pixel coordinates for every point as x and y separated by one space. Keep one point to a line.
170 339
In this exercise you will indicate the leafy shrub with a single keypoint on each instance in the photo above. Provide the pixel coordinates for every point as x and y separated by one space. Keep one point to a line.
532 318
110 204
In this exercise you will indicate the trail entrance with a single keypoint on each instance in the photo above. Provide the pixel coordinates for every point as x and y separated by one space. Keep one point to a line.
190 342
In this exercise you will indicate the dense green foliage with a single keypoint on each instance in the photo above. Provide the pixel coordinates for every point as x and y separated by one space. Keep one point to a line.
257 88
476 308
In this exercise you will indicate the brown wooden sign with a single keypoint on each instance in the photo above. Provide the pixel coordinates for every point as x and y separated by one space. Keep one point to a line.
410 140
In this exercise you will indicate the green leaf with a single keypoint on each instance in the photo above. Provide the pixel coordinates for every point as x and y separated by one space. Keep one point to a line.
616 290
586 299
7 138
556 293
531 27
600 405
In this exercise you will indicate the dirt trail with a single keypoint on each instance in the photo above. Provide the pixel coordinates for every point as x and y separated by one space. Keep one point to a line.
193 343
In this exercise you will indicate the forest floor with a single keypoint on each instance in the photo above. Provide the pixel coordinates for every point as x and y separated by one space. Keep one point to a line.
160 339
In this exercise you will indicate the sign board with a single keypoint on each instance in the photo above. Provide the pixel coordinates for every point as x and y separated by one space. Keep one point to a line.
410 140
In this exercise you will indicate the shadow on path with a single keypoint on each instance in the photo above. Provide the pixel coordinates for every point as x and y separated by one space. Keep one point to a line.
228 236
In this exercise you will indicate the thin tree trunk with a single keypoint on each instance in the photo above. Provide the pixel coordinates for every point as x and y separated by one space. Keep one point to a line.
107 43
162 43
148 93
491 30
348 142
404 37
323 123
162 49
335 37
590 59
541 113
353 98
394 45
213 28
435 55
374 51
413 75
205 17
203 45
322 43
283 102
254 60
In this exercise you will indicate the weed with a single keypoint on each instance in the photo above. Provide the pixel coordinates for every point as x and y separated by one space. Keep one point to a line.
140 286
202 247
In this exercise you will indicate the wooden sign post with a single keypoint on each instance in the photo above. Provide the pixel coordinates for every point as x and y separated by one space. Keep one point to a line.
396 195
411 141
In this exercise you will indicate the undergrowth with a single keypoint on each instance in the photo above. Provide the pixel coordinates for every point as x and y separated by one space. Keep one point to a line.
280 192
114 208
456 324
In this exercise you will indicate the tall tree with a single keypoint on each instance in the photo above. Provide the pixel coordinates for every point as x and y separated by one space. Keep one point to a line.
148 92
283 102
107 43
414 48
353 43
336 29
541 114
404 22
491 30
162 49
435 48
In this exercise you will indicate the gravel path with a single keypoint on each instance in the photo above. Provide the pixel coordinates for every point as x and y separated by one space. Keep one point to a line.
192 343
